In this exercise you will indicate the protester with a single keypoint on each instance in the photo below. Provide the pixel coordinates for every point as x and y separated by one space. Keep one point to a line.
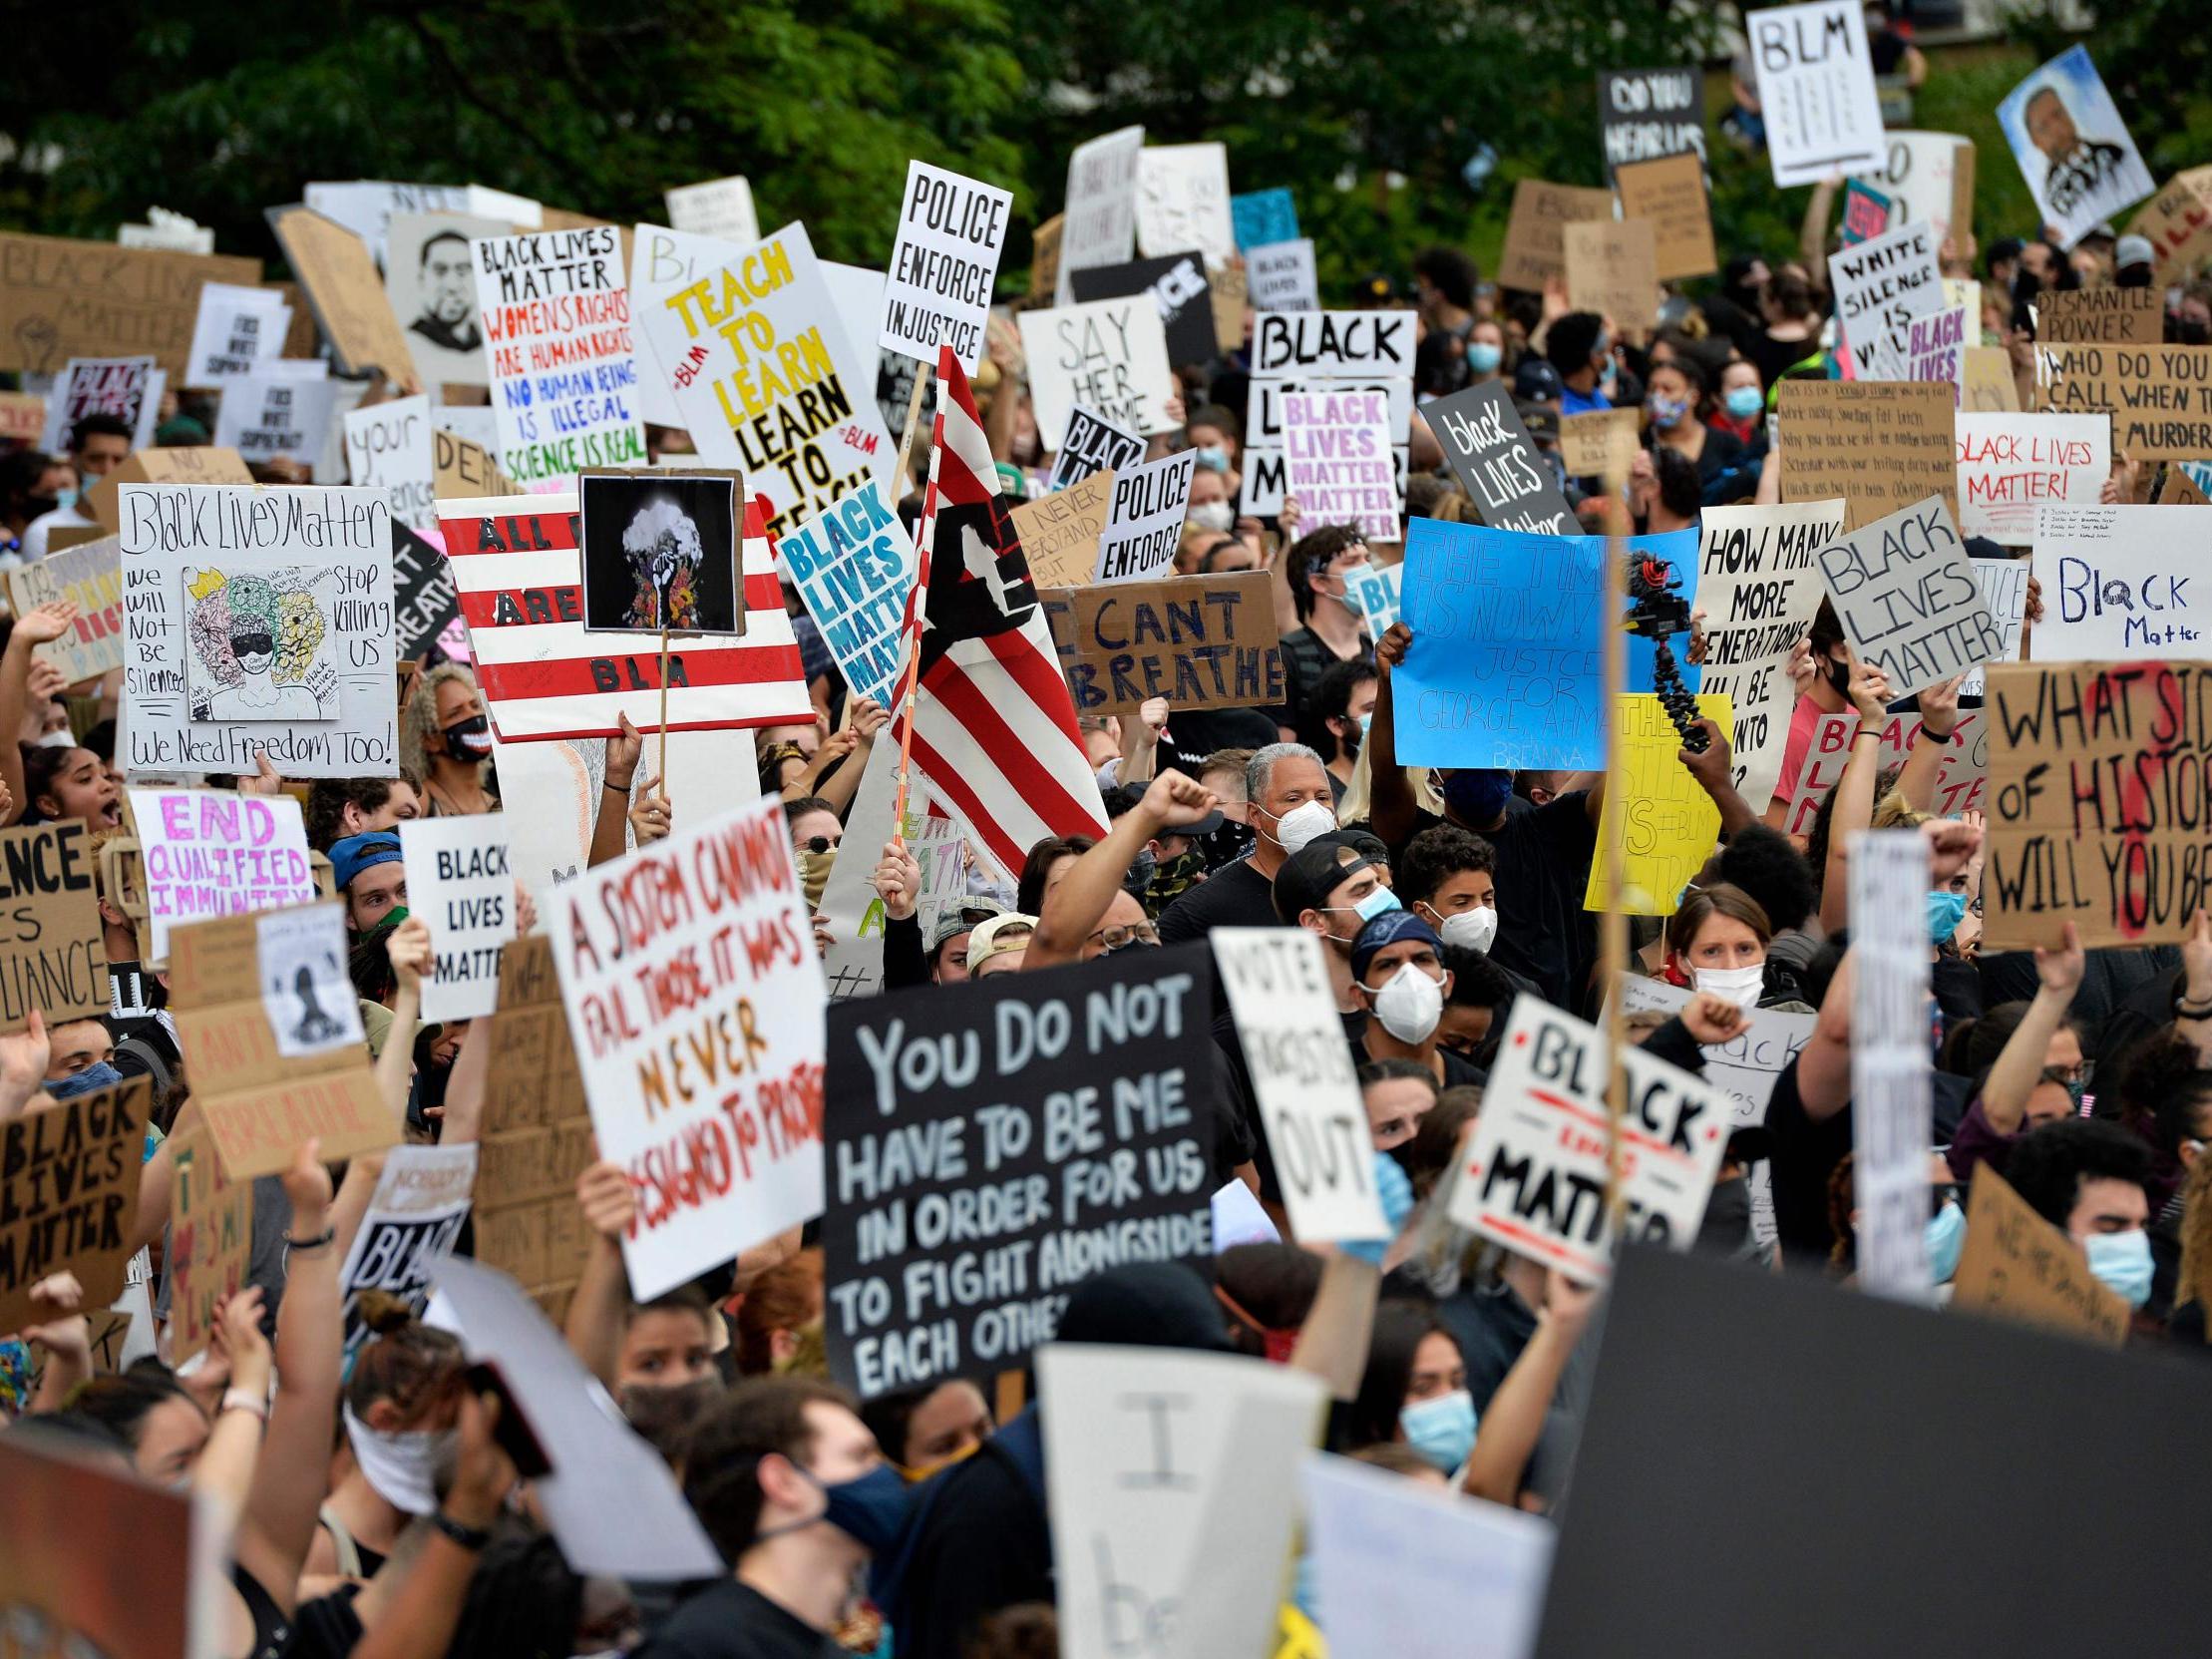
369 873
446 738
98 443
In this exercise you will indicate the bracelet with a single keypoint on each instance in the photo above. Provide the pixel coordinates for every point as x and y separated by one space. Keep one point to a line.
238 1399
1866 731
468 1538
618 788
2191 1010
316 1243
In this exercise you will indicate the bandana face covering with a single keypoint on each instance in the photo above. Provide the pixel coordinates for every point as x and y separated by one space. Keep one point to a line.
400 1466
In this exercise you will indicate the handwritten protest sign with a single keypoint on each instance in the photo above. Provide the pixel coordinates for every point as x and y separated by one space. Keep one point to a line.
661 263
1536 229
426 607
1262 217
1282 277
1336 446
1099 224
416 1211
1745 1067
1060 533
2160 397
1890 1102
1671 193
458 881
853 563
2119 583
61 299
1905 590
1664 821
69 1193
1986 383
1375 588
1650 115
2073 150
260 622
1201 642
2018 1266
1534 1178
697 1015
1267 467
22 417
1176 285
1612 270
1754 585
1110 355
2010 465
1881 285
1600 444
717 207
236 329
1815 81
128 388
1333 345
1497 463
1086 1148
1928 177
211 1236
951 231
1309 1102
2177 222
52 956
1090 444
1936 344
336 268
1961 771
283 409
388 448
1879 444
89 576
1183 201
564 372
211 853
2101 316
1145 521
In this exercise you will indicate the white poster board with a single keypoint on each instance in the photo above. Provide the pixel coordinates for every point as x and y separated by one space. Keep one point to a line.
213 852
1098 225
1816 90
951 231
459 883
1183 202
718 208
1892 1129
1144 522
1110 355
2010 465
1881 285
1905 592
389 447
2119 584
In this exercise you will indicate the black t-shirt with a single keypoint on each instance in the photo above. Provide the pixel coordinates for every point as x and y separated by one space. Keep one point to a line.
1236 896
1304 659
984 1545
729 1620
1806 1154
1195 733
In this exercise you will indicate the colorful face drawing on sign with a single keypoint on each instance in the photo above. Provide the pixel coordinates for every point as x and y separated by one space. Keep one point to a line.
258 642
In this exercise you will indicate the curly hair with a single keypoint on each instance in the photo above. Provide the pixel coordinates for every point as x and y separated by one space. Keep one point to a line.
421 714
1435 856
1759 860
1309 553
2047 1165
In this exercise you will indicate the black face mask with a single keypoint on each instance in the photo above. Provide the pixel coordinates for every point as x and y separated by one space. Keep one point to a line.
469 739
1225 845
1726 1227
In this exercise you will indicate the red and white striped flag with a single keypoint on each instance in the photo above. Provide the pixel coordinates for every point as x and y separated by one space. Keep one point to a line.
994 733
519 575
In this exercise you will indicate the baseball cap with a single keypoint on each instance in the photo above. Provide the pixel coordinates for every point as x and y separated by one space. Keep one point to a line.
999 935
1536 382
2133 250
971 913
356 853
1315 870
1388 929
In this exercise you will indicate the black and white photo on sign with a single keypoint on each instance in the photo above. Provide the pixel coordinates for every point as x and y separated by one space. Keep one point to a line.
311 1005
660 552
431 282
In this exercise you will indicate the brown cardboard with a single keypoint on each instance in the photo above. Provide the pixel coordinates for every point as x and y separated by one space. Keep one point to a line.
1229 293
2159 397
2018 1266
536 1136
1044 258
1532 233
2179 489
64 536
211 1237
1201 642
52 956
1961 197
22 418
1602 444
61 299
1881 445
2101 316
347 295
299 334
2177 221
69 1196
1670 193
259 1105
1060 532
89 576
460 469
1986 385
198 464
1612 270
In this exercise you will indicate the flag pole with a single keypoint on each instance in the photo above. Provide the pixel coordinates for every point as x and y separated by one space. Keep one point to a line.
913 673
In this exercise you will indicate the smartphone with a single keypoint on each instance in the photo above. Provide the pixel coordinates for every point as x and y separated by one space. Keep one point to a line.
513 1431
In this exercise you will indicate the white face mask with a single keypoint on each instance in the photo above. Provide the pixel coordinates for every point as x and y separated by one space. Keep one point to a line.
400 1466
1740 985
1212 515
1303 823
1410 1004
1470 930
62 739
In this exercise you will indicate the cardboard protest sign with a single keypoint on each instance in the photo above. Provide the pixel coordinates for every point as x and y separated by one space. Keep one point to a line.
1086 1151
537 1135
2018 1266
416 1211
610 1499
2101 316
461 468
944 262
211 1237
1878 445
69 1196
2072 148
1262 217
1278 994
1266 465
516 562
1375 588
1600 444
1671 193
1110 355
1756 587
660 552
1881 285
1664 821
61 298
1986 383
128 388
698 1028
1891 1126
89 575
1612 270
1928 177
52 956
852 565
1177 286
210 852
340 278
1815 81
1144 522
237 328
22 417
1533 1176
1905 591
389 447
1171 1482
272 1030
768 379
2177 222
1201 642
1044 259
1183 201
1336 445
2010 466
1497 462
459 882
1090 444
1098 225
260 622
1536 229
717 207
1650 115
2160 397
2117 583
1060 533
278 412
1282 277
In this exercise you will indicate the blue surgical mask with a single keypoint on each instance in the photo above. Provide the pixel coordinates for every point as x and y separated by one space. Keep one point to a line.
102 1076
1666 411
1483 357
1375 904
1746 402
1944 912
2121 1261
1946 1236
1607 372
1211 457
1366 724
1477 795
64 498
1441 1432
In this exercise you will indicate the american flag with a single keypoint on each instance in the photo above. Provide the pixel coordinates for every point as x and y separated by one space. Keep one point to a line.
994 733
519 575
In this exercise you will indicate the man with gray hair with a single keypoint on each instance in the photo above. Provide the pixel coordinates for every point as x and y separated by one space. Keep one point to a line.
1286 787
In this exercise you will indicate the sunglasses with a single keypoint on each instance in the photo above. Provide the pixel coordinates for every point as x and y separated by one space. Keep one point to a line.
819 844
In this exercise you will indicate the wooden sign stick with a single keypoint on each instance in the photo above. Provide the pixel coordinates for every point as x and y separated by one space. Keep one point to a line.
1613 924
664 711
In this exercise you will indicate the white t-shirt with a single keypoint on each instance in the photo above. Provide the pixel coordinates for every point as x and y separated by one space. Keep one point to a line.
61 518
